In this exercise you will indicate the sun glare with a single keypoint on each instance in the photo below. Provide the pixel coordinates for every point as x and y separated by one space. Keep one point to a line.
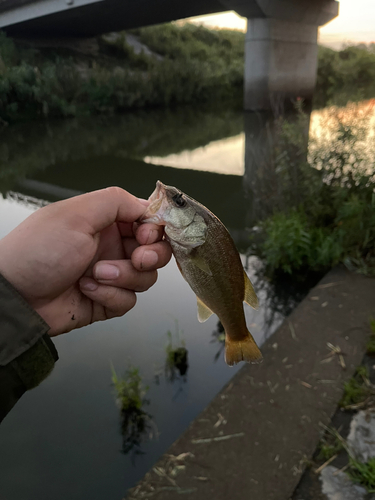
355 23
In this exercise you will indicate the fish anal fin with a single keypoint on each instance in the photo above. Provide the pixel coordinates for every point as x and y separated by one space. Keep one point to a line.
250 295
200 262
203 311
241 350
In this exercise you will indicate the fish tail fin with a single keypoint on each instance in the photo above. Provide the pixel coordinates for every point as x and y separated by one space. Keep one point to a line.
242 350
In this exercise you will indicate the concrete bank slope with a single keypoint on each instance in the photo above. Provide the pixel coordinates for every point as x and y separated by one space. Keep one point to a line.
253 439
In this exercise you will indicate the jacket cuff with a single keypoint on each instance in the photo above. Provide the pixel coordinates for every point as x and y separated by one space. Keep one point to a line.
21 326
35 364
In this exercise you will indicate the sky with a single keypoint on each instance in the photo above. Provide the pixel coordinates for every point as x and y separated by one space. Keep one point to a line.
355 23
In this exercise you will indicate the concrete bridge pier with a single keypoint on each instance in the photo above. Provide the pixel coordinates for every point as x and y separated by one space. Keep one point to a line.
280 63
281 52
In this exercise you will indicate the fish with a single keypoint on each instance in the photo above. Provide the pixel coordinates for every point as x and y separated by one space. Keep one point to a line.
209 261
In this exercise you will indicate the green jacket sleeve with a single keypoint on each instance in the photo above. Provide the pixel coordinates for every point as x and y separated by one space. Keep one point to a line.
27 354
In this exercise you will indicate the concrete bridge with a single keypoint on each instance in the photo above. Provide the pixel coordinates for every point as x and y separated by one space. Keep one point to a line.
280 47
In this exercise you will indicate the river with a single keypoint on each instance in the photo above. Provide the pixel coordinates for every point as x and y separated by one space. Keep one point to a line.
64 439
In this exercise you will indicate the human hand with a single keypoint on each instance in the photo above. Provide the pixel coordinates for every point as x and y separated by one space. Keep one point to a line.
81 260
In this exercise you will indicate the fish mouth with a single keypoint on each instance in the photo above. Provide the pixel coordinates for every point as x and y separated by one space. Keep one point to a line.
156 199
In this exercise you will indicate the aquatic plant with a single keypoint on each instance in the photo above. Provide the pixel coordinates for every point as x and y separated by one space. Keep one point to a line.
130 397
129 389
176 362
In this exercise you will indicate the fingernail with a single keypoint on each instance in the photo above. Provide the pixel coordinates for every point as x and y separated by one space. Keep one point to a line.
149 259
88 284
106 272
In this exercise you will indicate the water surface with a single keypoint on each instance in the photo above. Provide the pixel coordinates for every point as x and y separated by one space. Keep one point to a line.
63 439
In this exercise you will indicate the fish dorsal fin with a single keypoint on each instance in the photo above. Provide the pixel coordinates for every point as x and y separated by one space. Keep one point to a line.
250 295
203 311
200 262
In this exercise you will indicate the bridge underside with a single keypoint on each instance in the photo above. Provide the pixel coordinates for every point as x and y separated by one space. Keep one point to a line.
94 18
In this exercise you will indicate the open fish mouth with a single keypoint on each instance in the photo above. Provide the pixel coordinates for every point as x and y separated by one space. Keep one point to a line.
156 200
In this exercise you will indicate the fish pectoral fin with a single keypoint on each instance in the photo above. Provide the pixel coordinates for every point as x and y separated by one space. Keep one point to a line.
250 295
200 262
203 311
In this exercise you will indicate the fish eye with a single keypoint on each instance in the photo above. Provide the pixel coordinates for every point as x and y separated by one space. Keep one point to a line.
178 200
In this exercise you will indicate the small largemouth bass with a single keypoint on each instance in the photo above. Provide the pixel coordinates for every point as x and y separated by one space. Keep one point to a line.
210 263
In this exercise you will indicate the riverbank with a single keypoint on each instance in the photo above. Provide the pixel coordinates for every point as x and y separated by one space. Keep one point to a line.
118 72
342 468
255 438
157 66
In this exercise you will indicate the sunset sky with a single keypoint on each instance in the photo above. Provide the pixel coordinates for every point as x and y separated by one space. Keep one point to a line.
355 23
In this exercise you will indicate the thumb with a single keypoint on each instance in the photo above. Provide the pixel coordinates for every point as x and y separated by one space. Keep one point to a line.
100 209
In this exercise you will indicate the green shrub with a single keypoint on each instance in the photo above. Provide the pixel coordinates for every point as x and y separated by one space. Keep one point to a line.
292 244
321 211
198 65
343 76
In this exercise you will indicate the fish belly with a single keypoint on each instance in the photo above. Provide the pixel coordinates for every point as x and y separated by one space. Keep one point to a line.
223 291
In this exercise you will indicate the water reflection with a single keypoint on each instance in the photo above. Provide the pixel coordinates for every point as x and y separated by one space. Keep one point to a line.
275 147
219 338
28 150
222 157
281 295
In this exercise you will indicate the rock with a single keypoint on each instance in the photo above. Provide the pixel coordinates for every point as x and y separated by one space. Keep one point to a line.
361 439
337 485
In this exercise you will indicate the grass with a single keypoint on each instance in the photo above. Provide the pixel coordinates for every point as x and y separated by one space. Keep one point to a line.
329 446
362 473
357 390
359 472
